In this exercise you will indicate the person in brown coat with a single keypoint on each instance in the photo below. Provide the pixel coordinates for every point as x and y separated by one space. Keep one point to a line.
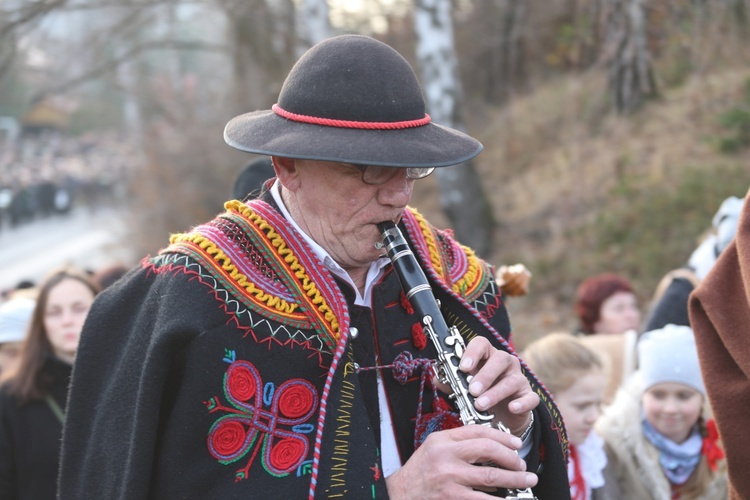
719 314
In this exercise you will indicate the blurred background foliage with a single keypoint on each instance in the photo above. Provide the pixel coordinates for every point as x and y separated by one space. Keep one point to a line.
613 129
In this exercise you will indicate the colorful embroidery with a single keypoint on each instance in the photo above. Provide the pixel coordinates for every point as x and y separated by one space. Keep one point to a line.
247 320
253 253
457 265
266 419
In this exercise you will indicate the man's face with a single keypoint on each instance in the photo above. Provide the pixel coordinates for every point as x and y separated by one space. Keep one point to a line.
333 205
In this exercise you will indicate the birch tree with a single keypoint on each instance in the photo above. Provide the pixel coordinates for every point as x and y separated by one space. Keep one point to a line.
313 24
631 76
461 195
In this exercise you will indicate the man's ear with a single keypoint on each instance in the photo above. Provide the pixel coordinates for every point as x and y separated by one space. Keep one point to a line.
286 171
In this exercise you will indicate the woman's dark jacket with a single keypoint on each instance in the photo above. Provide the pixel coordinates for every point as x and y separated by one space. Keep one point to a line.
30 435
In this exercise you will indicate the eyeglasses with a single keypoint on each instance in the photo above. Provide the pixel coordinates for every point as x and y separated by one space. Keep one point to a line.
376 175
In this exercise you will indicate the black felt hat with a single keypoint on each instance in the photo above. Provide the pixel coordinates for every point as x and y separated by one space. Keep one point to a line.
351 99
252 178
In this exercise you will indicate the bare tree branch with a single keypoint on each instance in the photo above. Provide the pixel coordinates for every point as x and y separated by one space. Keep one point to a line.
26 14
114 63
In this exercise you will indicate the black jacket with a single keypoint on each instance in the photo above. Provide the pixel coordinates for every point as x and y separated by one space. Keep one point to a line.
30 437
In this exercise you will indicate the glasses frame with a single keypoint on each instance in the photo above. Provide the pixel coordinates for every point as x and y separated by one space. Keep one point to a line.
412 173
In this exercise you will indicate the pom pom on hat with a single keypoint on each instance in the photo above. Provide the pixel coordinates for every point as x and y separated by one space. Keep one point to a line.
669 355
15 316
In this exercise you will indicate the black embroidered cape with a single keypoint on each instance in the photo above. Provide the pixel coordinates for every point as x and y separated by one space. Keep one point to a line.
228 366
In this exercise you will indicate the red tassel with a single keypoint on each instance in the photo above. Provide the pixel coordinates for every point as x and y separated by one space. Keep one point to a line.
406 304
711 449
418 337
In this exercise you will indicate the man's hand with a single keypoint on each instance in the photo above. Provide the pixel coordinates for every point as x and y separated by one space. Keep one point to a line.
498 384
443 466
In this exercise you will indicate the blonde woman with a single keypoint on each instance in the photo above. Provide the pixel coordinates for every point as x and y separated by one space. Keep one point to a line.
575 376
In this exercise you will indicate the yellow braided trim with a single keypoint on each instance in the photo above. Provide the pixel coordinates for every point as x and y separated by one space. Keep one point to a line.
474 270
224 261
429 237
278 242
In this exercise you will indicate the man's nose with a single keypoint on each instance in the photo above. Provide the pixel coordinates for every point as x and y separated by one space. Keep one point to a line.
397 191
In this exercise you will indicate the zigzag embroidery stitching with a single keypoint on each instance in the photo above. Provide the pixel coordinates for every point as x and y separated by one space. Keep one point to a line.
295 264
260 244
487 298
245 317
425 245
279 310
321 277
216 259
247 257
434 254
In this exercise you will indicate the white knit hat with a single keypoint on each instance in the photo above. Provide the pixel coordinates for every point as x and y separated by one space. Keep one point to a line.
15 316
669 355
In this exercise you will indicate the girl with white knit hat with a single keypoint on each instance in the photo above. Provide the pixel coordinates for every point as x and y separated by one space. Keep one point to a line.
659 439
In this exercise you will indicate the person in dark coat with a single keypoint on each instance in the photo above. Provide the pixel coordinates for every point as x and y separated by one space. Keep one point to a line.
273 353
33 396
250 181
670 302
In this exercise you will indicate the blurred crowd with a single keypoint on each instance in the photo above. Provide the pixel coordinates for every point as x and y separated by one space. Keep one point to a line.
49 173
629 385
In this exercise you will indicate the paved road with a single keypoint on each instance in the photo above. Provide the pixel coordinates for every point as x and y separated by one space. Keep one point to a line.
80 238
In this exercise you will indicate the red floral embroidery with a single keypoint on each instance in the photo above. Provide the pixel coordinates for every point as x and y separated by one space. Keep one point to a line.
711 449
241 384
271 421
296 401
286 453
228 438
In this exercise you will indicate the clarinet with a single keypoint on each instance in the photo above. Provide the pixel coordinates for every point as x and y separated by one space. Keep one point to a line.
447 341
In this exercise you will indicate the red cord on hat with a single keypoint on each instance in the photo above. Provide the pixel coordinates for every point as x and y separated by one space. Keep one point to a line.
328 122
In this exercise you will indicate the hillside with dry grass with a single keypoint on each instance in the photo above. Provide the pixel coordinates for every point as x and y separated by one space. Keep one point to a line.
577 190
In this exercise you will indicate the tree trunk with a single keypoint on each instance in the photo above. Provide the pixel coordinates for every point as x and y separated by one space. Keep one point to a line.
261 55
461 195
631 76
313 25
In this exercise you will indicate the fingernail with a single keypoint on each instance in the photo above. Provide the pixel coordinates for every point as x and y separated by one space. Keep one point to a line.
515 407
522 466
531 479
476 387
516 442
466 363
483 402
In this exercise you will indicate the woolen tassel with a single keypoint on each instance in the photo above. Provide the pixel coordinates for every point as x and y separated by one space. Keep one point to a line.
418 337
